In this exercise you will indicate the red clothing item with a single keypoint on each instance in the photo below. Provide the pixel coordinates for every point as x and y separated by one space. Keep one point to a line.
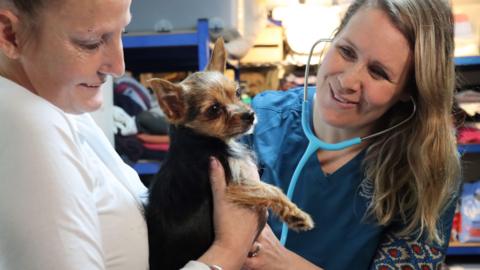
468 135
148 138
156 146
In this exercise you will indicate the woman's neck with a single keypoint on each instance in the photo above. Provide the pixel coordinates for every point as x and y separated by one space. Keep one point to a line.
331 161
13 70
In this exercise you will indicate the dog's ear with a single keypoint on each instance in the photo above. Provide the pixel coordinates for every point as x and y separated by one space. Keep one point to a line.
170 98
218 60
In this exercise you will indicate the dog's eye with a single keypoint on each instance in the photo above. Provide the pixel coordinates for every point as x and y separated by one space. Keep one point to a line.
214 110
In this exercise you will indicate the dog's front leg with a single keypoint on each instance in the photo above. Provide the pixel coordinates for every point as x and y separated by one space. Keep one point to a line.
261 195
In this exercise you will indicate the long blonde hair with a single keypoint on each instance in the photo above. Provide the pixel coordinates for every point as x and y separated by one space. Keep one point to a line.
414 170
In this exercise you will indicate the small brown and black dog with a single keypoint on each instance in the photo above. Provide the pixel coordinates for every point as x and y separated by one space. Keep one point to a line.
206 115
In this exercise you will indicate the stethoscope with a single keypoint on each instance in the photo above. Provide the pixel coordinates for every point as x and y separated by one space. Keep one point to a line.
315 143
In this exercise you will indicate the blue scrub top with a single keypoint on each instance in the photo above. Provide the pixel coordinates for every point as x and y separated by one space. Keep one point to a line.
343 238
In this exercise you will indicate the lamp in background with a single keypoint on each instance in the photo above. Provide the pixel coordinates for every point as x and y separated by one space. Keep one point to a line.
306 23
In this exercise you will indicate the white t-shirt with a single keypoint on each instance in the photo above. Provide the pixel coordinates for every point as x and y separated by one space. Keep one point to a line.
67 200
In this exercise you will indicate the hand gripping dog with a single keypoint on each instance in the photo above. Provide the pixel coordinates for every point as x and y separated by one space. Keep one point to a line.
206 115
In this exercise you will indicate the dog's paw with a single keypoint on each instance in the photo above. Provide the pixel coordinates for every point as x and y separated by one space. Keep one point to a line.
301 221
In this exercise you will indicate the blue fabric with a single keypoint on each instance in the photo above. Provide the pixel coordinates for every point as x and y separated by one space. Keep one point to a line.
342 238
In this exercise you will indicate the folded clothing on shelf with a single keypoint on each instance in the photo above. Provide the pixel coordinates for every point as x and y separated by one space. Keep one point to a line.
468 135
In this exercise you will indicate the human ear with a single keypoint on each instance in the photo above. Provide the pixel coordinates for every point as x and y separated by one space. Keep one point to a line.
9 34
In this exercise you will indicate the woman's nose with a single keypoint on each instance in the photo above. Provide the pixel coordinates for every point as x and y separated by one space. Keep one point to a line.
113 61
351 79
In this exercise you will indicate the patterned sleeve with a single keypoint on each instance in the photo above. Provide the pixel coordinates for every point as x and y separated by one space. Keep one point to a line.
407 254
411 252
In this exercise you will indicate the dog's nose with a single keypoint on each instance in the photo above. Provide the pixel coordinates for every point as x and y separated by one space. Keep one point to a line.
248 116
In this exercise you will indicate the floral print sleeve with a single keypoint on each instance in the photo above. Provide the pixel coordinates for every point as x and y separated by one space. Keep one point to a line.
407 254
411 252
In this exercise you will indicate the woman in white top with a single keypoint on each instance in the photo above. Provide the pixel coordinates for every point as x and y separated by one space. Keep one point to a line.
67 201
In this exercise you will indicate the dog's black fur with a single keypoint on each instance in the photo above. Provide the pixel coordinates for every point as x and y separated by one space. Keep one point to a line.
180 209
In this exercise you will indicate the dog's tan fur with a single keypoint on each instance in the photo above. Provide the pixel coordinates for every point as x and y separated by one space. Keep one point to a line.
208 103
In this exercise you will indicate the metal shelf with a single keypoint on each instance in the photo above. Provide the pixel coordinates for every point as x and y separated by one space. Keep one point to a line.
179 50
469 148
467 61
464 249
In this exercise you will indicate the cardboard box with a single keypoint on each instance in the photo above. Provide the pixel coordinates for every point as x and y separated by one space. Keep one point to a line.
268 47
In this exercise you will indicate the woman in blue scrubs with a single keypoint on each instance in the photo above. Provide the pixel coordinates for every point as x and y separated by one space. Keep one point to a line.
388 202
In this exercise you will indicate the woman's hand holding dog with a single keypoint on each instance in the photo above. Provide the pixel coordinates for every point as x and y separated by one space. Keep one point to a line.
272 255
235 227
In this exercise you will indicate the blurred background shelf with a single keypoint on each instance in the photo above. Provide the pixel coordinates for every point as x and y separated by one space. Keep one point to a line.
467 61
469 148
160 52
465 249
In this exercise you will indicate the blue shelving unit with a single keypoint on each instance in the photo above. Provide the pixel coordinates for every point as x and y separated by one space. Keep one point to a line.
469 148
167 51
464 250
467 61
